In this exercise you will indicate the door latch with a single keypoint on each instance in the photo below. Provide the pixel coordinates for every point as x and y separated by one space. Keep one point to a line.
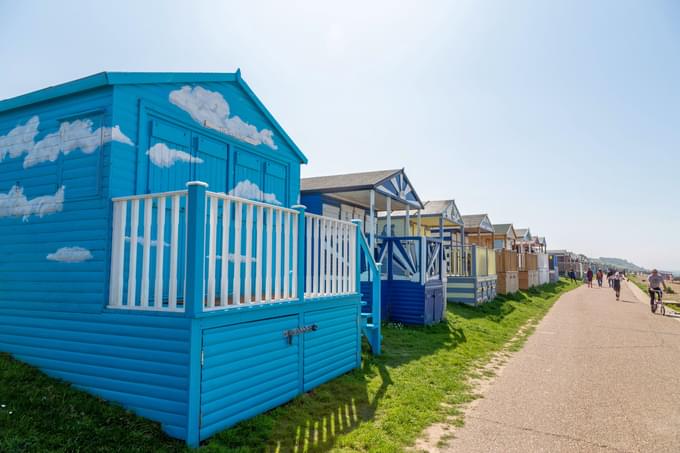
289 334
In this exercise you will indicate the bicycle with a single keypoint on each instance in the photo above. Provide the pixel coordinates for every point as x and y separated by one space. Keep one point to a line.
657 302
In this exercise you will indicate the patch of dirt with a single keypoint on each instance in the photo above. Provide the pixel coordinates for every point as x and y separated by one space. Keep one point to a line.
435 438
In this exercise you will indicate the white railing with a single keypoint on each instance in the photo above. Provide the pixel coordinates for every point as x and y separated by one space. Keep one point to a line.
331 260
243 253
251 250
131 274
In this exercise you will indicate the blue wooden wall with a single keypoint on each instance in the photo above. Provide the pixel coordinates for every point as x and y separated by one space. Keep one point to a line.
250 366
221 160
58 174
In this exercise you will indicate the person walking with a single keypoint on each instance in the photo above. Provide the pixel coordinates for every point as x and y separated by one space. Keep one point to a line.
616 283
610 278
589 278
600 276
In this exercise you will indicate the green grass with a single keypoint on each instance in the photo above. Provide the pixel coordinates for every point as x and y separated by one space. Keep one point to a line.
40 414
420 379
634 278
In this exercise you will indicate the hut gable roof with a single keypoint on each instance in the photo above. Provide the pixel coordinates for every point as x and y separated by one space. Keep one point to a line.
480 221
505 229
103 79
447 208
523 234
393 184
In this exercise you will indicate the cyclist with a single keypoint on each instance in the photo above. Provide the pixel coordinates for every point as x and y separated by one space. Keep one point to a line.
655 282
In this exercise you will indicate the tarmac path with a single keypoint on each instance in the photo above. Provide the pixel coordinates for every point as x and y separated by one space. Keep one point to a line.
597 375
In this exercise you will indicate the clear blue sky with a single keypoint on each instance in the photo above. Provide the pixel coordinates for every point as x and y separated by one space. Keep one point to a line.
563 116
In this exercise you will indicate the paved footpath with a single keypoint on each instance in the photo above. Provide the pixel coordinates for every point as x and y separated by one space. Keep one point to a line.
597 375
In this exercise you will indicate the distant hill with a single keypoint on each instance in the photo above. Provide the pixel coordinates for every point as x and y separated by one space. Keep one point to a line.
621 263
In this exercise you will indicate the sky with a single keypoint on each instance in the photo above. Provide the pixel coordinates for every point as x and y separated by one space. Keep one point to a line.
560 116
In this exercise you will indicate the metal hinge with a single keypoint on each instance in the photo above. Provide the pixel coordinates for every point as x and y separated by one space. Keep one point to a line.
202 358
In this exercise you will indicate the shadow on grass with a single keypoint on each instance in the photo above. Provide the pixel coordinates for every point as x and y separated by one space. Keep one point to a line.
315 421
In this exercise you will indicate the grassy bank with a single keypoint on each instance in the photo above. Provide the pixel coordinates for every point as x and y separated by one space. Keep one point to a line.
419 380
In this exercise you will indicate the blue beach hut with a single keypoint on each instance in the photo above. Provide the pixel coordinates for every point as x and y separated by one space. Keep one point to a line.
411 262
439 221
153 253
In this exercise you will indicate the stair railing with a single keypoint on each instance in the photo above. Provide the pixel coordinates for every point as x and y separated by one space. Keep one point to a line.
373 329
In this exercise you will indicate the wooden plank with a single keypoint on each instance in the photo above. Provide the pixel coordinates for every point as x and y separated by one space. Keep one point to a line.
226 234
160 250
247 281
269 264
146 253
118 254
309 222
174 251
258 255
294 272
277 255
132 266
286 255
212 251
322 257
317 255
236 282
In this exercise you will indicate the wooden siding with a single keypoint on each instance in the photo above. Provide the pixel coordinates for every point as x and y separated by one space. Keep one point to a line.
330 351
508 282
528 279
250 366
416 304
27 278
471 290
277 171
139 361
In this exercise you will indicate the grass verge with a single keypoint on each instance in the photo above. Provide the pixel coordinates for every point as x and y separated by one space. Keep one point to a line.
421 379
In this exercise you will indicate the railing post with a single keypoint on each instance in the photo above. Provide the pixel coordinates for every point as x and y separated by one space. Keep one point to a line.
357 247
301 252
473 271
423 260
195 249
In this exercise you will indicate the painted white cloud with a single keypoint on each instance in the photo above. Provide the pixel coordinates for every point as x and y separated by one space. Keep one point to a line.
70 255
211 110
140 241
72 135
15 204
251 191
163 156
19 140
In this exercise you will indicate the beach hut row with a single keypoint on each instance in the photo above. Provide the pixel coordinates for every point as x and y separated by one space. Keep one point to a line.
160 250
428 252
